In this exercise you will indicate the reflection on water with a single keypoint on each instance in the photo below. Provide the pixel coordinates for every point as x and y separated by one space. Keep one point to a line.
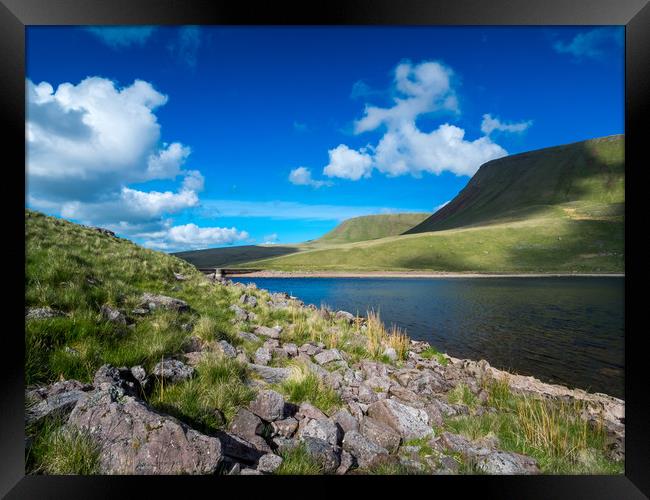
561 330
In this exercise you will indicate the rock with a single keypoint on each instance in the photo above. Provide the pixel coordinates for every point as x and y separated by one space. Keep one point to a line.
380 434
262 356
235 470
365 451
390 353
269 405
355 410
290 349
328 356
283 444
151 301
134 439
279 353
345 420
269 463
42 313
248 300
273 333
310 349
346 463
271 344
194 358
246 424
462 445
250 472
248 336
324 429
140 375
226 349
434 414
242 357
112 315
139 311
242 450
180 277
285 427
502 462
379 384
108 375
173 371
270 374
193 344
366 394
442 407
56 399
428 383
104 231
405 395
324 453
409 422
308 411
240 314
344 315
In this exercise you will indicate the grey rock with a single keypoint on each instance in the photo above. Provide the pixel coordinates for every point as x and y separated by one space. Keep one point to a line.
380 434
248 336
180 277
172 371
285 427
112 315
269 463
309 411
248 300
379 384
365 451
242 450
246 424
226 349
366 394
250 472
268 405
194 358
328 356
347 462
502 462
291 349
56 399
283 444
310 349
265 331
405 395
151 301
390 353
324 429
193 344
344 315
409 422
270 374
327 455
262 356
42 313
136 440
108 375
240 314
345 420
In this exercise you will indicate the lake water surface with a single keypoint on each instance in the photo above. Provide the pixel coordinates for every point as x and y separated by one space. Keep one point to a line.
560 330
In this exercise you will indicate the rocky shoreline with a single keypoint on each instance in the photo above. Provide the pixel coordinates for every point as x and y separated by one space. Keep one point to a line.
392 410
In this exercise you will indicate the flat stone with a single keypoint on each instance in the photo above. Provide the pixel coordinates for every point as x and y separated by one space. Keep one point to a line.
56 399
42 313
265 331
365 451
173 371
151 301
409 422
270 374
269 463
307 410
324 429
250 337
328 356
502 462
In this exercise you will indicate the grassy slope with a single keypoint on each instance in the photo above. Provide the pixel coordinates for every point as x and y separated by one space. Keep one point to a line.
554 210
371 227
77 270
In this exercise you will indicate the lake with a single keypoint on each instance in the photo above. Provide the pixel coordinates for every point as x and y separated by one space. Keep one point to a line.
564 330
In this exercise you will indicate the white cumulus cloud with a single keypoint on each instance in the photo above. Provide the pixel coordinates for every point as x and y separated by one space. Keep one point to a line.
347 163
301 176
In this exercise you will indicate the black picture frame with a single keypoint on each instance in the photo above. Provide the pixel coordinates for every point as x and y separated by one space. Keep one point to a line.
15 15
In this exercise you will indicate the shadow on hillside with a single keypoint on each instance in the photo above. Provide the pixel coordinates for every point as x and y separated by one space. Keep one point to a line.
525 184
230 256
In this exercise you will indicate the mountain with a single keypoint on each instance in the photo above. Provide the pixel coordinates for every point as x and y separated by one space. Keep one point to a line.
372 227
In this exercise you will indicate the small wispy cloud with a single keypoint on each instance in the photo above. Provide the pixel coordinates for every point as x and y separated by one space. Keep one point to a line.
186 46
119 37
301 176
591 44
300 127
490 124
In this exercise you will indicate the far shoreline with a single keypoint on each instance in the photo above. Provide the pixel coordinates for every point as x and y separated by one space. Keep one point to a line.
411 274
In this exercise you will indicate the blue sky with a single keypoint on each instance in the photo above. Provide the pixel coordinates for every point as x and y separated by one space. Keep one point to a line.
194 137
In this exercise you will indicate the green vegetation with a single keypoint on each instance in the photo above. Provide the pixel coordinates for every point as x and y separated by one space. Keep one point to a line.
297 461
371 227
554 210
462 394
56 449
550 431
431 352
304 386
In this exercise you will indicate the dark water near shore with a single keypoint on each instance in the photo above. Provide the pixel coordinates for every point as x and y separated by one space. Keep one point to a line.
561 330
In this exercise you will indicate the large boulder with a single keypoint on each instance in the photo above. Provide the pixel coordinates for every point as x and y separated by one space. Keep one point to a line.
365 451
380 434
345 420
285 427
502 462
324 453
269 463
56 399
324 429
409 422
135 439
344 315
268 405
172 371
266 331
246 424
307 410
151 302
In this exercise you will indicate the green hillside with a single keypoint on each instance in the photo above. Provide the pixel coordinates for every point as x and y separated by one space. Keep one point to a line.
229 256
519 186
554 210
372 227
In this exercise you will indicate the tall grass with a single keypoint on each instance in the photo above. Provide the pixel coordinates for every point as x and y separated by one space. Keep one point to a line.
305 386
297 461
379 338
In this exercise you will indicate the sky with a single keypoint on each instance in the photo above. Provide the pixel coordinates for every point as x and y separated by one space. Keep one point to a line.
191 137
